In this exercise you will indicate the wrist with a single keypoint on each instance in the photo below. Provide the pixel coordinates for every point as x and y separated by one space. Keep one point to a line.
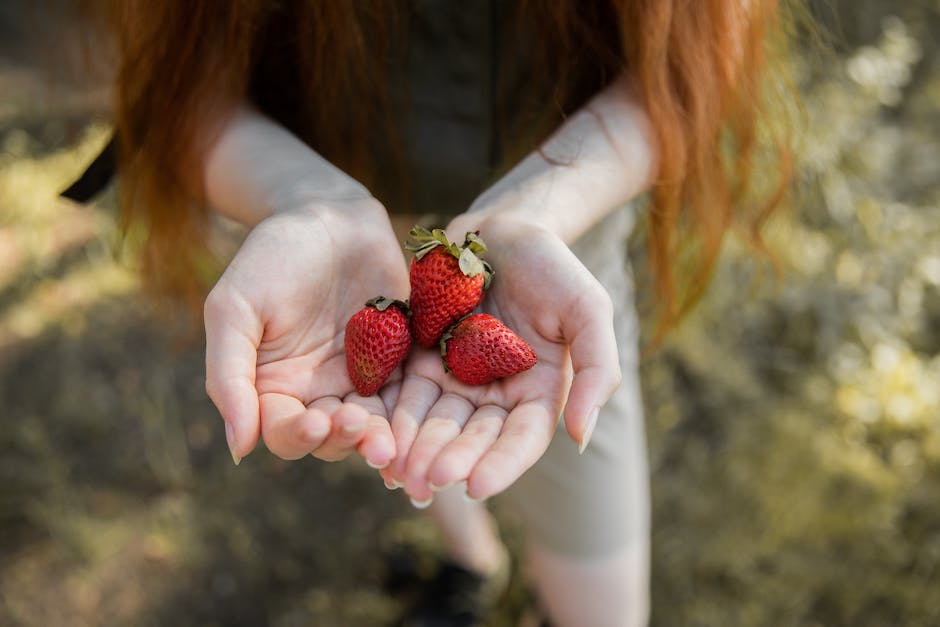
497 218
348 195
352 212
258 168
599 159
500 231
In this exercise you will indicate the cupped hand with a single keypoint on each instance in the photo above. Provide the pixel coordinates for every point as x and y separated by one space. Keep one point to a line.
488 435
275 365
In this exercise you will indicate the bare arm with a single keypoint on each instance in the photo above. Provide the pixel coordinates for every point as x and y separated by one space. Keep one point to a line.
257 166
320 246
599 159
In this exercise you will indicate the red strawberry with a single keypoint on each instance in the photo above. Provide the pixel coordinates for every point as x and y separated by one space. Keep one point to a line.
377 340
480 349
447 282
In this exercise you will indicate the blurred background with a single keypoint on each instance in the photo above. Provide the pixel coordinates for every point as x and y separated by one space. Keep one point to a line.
793 424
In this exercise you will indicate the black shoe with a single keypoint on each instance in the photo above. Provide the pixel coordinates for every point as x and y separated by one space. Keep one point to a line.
455 597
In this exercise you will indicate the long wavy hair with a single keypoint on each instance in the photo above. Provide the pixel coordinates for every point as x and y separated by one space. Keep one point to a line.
320 68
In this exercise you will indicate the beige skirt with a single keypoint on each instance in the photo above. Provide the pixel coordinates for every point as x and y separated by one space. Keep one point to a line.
597 502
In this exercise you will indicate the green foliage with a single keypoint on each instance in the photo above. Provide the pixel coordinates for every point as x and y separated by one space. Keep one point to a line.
795 427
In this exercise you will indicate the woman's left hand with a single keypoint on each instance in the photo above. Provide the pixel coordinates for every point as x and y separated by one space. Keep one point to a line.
488 435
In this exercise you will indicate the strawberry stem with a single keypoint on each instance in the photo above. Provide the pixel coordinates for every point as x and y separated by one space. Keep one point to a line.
468 255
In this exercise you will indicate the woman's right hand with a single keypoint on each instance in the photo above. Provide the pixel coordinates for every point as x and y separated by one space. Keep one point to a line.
275 321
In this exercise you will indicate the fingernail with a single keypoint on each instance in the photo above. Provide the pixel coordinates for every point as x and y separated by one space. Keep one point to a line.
466 495
589 430
421 504
232 446
354 428
437 488
377 466
392 485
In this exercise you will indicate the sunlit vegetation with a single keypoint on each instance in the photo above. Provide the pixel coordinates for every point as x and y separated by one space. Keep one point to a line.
793 421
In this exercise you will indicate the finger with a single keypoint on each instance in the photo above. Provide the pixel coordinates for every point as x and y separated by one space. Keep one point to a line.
525 436
349 426
456 461
233 333
291 430
444 421
596 364
417 396
389 394
377 446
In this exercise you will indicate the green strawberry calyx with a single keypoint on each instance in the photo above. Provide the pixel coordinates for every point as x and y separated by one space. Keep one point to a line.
468 255
448 334
381 303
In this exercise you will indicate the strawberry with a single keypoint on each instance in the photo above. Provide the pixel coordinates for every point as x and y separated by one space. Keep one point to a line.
447 282
480 349
377 340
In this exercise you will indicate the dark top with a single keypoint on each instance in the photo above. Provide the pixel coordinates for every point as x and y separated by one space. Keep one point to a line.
459 86
449 93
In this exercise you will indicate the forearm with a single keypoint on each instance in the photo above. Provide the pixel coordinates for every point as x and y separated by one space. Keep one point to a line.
599 159
256 167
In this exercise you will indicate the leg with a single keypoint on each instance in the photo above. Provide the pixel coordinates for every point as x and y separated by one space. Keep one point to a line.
469 532
587 516
603 591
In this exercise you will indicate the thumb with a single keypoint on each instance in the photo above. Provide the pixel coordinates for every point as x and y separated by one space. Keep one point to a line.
233 333
596 364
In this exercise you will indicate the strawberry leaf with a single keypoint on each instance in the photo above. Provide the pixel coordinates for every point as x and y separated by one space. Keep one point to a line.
470 264
474 242
381 303
425 241
488 273
421 251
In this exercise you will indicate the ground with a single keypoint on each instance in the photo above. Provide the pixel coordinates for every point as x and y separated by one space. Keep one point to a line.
793 420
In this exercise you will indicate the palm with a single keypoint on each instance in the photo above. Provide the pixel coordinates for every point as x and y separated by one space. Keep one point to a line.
489 435
290 290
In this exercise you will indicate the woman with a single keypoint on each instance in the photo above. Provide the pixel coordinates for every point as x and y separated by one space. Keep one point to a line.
320 124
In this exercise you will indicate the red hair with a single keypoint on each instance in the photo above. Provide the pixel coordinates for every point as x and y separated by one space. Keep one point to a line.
699 68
